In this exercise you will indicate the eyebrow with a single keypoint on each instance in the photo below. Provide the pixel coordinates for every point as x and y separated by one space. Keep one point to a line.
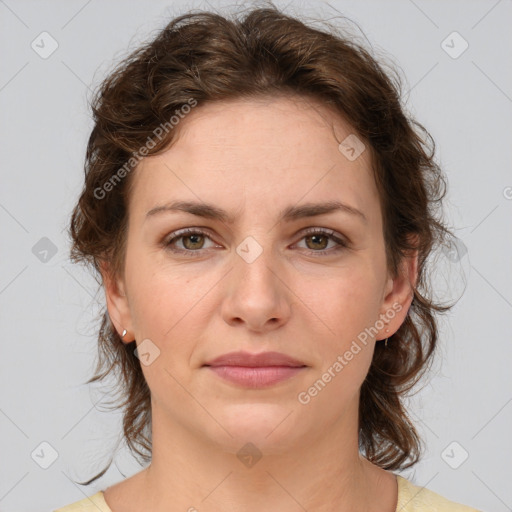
289 214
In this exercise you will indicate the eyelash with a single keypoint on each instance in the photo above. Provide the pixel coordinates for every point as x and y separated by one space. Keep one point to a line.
314 231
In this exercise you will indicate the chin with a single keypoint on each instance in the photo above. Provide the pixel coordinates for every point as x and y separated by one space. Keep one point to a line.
270 427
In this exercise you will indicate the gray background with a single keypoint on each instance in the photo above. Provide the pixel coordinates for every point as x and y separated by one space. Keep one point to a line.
48 305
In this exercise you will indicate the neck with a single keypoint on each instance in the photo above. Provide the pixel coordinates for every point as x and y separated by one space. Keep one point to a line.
321 474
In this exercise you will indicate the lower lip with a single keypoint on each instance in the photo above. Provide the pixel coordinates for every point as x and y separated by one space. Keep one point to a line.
256 377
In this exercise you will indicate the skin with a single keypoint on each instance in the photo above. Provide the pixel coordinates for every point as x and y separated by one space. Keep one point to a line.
253 158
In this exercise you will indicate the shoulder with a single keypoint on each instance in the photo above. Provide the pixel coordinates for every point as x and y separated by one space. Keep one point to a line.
94 503
412 498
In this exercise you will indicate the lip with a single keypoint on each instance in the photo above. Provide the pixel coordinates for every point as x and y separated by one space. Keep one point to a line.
263 359
255 370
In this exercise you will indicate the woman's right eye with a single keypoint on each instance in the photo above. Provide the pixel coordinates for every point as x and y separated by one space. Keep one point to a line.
191 240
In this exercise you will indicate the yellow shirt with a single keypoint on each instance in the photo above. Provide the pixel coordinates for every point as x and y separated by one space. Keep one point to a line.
411 498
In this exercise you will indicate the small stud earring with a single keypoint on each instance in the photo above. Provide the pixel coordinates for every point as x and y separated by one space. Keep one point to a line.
124 333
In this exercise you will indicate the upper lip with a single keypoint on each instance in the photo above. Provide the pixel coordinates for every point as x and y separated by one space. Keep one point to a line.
255 360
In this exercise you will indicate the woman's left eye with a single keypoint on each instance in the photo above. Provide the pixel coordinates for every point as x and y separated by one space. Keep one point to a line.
317 241
320 238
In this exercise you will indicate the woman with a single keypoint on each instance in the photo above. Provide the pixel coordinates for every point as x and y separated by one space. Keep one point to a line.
261 210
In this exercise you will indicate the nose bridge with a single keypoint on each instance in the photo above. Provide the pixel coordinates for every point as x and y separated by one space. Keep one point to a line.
254 264
256 294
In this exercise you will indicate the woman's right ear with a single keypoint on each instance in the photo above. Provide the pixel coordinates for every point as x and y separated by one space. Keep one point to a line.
117 302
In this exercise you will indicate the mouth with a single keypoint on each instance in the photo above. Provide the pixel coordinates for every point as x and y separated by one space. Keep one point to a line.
255 370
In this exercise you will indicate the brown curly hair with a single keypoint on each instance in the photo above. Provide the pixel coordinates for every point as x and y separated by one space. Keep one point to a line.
207 57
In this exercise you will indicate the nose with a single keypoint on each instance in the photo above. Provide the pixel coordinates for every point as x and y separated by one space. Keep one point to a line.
256 295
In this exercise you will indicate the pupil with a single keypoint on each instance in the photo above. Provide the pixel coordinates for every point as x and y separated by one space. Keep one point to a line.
316 237
194 241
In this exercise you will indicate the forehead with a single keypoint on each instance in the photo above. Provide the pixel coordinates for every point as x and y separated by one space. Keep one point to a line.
263 149
262 123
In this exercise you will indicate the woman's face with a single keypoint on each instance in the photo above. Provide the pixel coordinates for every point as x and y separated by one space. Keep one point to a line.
257 280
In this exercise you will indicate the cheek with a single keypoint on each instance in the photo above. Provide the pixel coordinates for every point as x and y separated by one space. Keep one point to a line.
168 312
349 308
344 302
167 303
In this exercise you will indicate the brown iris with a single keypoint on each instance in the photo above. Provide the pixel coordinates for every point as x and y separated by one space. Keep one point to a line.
195 244
316 237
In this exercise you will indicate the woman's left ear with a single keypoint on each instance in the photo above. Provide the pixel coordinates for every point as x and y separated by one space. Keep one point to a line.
400 292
